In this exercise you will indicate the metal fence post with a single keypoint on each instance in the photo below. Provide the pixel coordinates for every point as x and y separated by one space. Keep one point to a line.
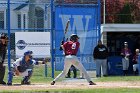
52 41
9 28
99 19
46 70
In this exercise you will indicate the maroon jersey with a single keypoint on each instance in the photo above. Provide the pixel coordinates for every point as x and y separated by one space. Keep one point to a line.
71 48
126 51
135 59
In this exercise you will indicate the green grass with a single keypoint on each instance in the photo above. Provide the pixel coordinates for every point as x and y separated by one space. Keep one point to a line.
118 78
94 90
116 90
39 77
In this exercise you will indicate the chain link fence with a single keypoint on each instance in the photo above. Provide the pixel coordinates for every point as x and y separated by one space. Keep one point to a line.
84 21
116 11
25 16
35 16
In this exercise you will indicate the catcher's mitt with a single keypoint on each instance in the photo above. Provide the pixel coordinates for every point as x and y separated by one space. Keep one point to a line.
21 69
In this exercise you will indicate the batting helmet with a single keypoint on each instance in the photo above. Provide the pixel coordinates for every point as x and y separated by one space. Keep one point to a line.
74 37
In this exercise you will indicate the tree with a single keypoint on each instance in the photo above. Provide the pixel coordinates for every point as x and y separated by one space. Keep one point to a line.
125 16
135 11
113 7
121 11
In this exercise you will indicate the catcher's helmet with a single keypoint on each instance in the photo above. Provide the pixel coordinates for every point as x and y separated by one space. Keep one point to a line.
73 37
28 53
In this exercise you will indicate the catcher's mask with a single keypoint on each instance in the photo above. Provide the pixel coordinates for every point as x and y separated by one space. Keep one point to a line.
74 37
29 53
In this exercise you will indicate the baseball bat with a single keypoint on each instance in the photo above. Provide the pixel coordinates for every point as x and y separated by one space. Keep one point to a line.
67 25
66 29
65 32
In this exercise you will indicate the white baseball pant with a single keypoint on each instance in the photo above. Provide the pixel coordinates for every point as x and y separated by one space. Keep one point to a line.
125 63
72 60
25 73
135 67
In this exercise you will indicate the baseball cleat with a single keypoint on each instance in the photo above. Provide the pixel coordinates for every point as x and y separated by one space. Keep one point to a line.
2 82
25 83
53 83
68 77
9 84
92 83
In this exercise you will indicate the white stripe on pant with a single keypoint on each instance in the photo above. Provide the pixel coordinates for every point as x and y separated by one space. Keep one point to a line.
72 60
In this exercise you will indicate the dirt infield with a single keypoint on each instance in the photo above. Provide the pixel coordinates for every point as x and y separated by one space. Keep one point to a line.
68 85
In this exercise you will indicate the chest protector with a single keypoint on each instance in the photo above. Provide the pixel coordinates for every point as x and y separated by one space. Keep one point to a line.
25 65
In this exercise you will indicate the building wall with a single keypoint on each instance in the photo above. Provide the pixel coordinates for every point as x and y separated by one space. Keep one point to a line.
24 10
118 28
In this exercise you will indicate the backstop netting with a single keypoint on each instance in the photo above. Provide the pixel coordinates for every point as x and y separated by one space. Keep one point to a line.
85 22
20 19
27 24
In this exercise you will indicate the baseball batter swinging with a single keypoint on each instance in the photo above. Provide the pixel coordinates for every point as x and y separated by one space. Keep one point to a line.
71 48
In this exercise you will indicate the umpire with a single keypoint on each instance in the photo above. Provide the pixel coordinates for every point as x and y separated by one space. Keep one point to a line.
3 48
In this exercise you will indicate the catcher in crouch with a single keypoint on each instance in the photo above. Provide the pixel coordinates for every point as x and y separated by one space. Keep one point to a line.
22 67
70 49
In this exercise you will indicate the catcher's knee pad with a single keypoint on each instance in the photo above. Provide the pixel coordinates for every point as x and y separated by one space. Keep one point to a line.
30 73
26 78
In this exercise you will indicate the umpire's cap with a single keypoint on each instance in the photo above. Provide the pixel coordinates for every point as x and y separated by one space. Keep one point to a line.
28 53
3 36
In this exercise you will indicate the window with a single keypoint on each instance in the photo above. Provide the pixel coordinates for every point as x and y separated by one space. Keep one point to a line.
19 20
1 19
24 21
39 20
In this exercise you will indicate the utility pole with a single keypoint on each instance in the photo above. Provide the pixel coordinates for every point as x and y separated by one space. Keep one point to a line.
104 3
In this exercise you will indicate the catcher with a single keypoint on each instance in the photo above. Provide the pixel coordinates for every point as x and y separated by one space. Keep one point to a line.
23 67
